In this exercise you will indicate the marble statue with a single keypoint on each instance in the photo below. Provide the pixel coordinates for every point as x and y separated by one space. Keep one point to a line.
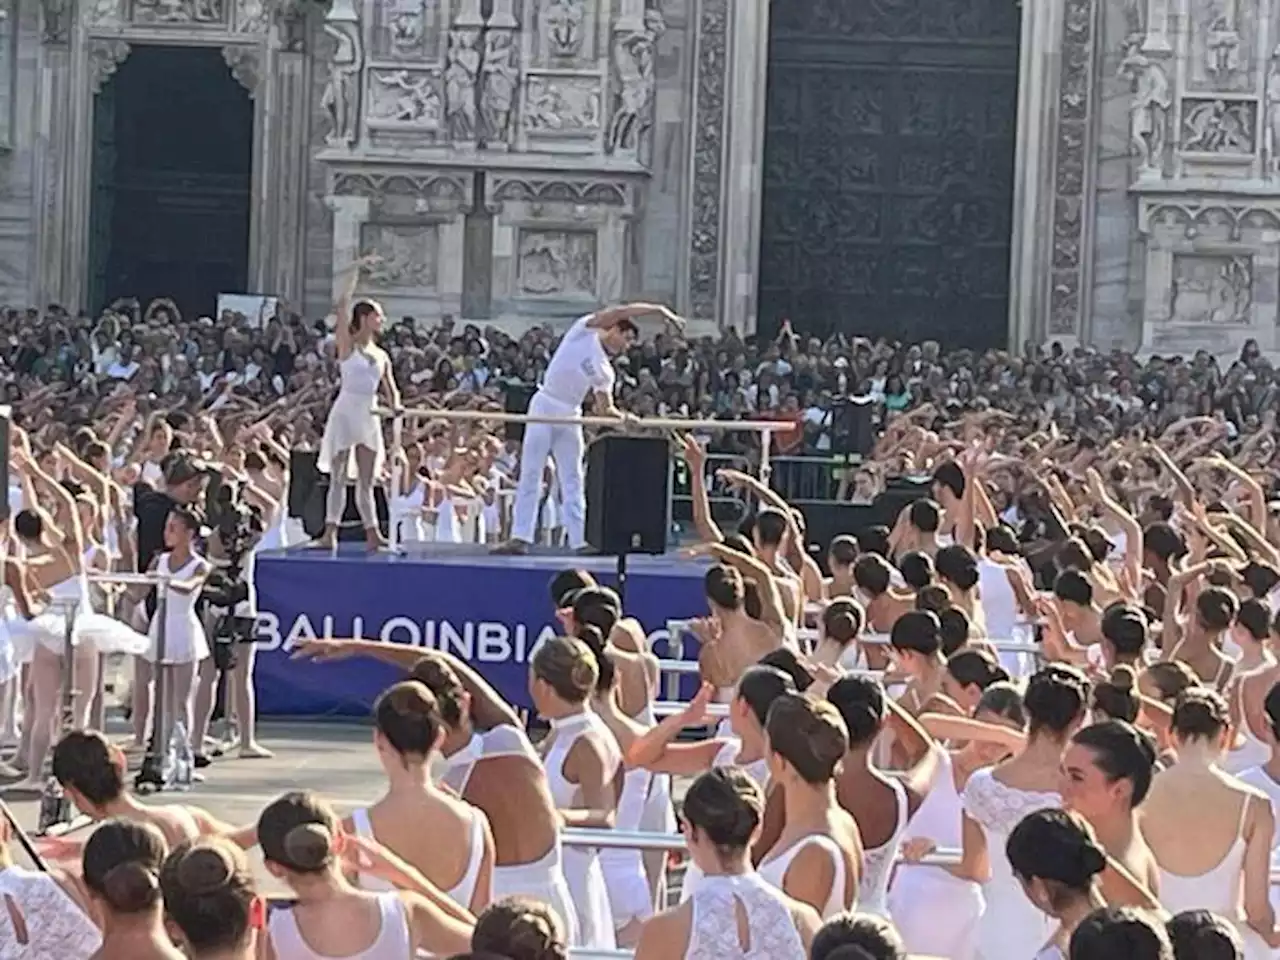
1222 48
501 77
1148 110
563 21
460 75
1271 132
340 99
634 55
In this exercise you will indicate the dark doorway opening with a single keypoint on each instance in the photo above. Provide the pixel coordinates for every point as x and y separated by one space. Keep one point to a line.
888 169
172 161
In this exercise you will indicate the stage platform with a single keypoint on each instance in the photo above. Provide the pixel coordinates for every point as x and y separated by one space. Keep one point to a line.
488 610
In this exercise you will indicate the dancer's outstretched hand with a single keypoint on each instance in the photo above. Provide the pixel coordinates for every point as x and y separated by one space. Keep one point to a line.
319 650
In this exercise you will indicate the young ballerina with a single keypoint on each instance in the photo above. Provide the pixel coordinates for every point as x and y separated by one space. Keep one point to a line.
353 432
211 902
735 914
122 861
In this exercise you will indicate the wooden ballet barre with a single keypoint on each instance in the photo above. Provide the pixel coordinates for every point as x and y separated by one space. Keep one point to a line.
647 423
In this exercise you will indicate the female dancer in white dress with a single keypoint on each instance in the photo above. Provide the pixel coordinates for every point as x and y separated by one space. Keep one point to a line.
352 440
1256 677
121 870
185 644
1211 835
1055 858
584 772
818 856
408 503
446 839
735 914
331 919
995 800
55 561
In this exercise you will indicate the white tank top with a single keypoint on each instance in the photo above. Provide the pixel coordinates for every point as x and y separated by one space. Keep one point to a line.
877 862
1217 889
774 870
567 731
999 602
461 892
713 932
56 928
180 608
393 942
360 374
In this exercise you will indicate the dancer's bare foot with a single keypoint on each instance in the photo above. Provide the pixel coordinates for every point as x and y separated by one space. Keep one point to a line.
254 751
374 540
327 540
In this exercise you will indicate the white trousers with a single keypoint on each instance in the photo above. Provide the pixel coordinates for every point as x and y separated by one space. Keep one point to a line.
563 443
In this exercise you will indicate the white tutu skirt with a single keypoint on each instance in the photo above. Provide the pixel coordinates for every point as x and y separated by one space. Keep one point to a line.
49 630
936 913
352 423
9 660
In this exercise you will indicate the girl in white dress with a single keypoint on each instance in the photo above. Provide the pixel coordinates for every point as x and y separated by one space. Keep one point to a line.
301 845
734 914
996 800
122 862
818 856
445 838
352 441
1055 858
1211 835
584 772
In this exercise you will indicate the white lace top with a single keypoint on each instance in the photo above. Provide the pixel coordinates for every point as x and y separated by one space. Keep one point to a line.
771 932
56 927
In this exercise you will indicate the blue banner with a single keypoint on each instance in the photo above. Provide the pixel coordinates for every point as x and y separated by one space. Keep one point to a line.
489 612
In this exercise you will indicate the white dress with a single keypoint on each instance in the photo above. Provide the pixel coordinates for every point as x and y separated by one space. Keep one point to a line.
352 422
394 941
775 868
936 912
541 880
582 864
184 639
713 934
878 862
624 876
406 514
57 929
1011 926
10 659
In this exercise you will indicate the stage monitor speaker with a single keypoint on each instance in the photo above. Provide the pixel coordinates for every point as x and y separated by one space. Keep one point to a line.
352 527
628 483
303 474
6 416
515 399
853 430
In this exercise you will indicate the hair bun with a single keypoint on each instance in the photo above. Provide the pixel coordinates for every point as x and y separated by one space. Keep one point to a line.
1123 678
130 887
309 845
204 870
1093 859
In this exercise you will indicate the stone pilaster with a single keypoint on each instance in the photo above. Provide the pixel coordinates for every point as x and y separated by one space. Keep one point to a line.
700 293
55 112
350 214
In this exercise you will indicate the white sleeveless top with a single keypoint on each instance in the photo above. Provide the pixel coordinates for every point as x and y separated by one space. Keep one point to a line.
184 639
393 942
877 862
1217 889
406 514
1251 753
461 892
360 373
999 602
567 732
774 870
57 929
713 934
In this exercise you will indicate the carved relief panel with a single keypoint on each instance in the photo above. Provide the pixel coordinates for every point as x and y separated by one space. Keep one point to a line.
556 263
179 13
1221 50
565 32
407 255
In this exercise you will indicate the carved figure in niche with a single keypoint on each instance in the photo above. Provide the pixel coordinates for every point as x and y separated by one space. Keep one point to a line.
1272 132
56 20
1212 290
1148 111
460 84
407 98
1222 48
501 77
178 11
1215 127
563 19
251 16
634 55
552 263
407 26
340 98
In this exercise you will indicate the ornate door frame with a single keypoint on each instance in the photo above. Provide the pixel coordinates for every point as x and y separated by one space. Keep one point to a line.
1049 271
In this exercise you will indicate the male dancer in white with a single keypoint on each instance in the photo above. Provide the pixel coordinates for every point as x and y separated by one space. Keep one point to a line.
580 365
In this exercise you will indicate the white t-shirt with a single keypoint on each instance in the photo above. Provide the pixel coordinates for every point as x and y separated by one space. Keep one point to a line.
579 366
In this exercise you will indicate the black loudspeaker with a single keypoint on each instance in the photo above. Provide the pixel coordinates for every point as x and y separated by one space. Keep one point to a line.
6 414
853 431
351 527
628 485
515 399
303 473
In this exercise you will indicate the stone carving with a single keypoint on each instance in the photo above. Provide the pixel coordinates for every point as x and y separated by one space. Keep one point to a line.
1222 48
104 13
405 98
341 97
105 57
407 255
708 137
251 16
1212 289
562 104
407 27
634 55
184 12
562 27
460 76
1201 216
1271 134
245 66
557 263
55 21
501 76
1219 126
591 192
290 18
1148 110
439 191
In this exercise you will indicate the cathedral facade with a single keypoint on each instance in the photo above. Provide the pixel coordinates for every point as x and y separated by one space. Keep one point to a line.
980 171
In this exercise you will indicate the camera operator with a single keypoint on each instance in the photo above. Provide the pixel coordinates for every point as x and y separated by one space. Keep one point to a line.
230 601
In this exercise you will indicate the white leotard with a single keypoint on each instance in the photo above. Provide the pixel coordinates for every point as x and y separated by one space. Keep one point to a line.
56 927
774 870
462 892
771 931
393 941
878 862
184 639
352 422
582 865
